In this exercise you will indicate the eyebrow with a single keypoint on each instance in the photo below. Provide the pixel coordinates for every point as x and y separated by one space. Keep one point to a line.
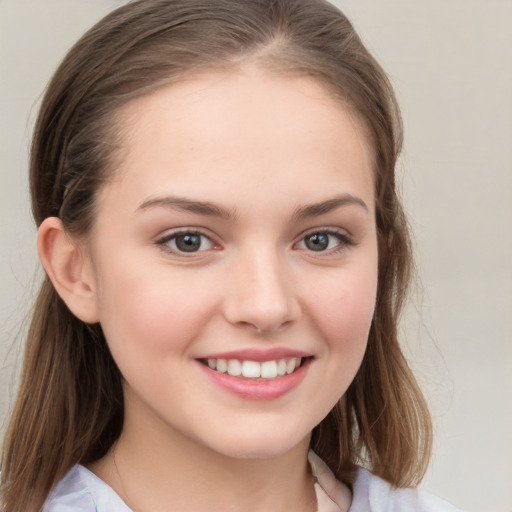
323 207
215 210
189 205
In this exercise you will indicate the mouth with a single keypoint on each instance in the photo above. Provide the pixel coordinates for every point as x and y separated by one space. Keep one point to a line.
257 374
256 370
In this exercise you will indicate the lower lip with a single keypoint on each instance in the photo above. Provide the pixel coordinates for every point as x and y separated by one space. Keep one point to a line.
252 389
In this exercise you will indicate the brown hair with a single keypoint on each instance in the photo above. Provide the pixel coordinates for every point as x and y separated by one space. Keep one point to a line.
70 406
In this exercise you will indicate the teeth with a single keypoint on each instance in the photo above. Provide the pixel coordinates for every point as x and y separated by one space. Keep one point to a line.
281 367
269 370
251 369
255 370
290 366
222 366
234 367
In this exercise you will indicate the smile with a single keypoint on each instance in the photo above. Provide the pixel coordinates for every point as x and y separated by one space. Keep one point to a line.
253 369
257 374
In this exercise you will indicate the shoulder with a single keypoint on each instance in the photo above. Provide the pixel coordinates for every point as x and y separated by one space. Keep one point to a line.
372 494
82 491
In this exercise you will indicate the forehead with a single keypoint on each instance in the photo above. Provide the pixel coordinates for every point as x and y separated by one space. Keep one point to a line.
242 128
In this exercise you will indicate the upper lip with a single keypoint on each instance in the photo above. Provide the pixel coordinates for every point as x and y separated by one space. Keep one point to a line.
258 355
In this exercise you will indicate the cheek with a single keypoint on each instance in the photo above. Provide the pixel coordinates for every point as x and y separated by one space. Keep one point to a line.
342 314
345 310
144 315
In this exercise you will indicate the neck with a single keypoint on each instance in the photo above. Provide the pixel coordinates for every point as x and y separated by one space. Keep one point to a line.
163 471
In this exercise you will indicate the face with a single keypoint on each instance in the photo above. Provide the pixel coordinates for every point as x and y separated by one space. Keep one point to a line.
235 260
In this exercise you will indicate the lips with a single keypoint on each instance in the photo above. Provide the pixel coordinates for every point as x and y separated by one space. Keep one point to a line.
257 374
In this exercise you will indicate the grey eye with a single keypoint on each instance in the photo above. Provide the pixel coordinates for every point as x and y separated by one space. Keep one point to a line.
321 241
189 242
318 241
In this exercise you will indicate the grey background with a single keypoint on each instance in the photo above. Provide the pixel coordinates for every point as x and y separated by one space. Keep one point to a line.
451 64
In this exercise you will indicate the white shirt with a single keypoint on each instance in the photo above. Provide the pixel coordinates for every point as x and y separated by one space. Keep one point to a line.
82 491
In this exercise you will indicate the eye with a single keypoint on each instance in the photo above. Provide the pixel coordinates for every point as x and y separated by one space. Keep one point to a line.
186 242
321 241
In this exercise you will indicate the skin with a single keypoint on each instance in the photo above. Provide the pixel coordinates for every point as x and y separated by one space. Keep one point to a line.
262 149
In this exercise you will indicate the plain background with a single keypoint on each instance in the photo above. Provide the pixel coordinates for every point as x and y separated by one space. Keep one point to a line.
451 65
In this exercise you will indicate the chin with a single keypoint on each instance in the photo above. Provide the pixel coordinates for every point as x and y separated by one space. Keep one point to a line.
263 447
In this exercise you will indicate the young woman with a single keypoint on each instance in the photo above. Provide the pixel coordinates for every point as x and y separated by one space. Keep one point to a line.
226 260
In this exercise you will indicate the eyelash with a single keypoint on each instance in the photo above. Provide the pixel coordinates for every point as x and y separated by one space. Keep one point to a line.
164 242
343 241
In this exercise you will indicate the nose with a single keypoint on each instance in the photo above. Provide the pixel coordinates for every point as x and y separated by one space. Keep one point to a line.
261 294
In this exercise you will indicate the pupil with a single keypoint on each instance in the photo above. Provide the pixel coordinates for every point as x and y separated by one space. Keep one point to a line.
317 242
188 243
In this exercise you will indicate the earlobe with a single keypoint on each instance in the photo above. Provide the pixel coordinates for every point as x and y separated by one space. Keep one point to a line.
68 269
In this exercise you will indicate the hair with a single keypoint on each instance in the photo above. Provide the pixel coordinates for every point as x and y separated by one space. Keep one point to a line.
69 408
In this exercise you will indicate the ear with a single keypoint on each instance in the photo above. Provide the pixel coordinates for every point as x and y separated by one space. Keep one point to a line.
68 269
